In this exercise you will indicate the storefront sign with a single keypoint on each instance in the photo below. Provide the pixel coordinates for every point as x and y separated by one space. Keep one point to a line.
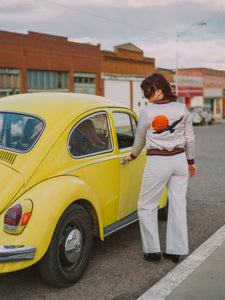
190 84
213 93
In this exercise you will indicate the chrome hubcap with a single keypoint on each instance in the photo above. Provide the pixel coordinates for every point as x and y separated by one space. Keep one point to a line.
73 246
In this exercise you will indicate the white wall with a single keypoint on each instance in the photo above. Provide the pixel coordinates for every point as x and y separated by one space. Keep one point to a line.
118 90
138 101
197 101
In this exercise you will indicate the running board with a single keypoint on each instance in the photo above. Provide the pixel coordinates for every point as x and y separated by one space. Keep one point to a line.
132 218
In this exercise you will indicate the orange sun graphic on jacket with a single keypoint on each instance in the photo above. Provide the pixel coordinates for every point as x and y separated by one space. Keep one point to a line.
160 122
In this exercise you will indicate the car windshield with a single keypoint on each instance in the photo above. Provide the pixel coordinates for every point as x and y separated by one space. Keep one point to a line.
19 132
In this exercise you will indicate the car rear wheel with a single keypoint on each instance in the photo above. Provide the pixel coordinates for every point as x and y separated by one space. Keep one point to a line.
69 251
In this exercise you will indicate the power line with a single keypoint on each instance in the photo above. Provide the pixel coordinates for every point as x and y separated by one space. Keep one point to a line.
152 32
110 19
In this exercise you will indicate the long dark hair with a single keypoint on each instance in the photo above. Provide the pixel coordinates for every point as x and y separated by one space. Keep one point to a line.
155 82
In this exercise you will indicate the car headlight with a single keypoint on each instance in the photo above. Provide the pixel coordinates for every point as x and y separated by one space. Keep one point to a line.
17 217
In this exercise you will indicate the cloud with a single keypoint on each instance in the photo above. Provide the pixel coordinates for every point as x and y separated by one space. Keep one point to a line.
149 24
127 3
13 3
191 54
85 40
16 5
114 3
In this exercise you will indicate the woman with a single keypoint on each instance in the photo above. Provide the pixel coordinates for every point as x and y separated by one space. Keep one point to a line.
165 128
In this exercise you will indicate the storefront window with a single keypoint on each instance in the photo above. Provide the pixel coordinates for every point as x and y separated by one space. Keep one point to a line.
85 83
44 80
209 104
9 81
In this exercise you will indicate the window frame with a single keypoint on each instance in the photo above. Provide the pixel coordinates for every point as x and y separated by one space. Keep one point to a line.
131 125
38 137
47 80
93 153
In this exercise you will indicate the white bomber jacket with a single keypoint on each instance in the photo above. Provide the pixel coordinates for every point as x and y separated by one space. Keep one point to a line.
165 128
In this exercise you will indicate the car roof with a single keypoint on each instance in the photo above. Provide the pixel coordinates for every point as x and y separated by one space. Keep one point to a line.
55 105
58 110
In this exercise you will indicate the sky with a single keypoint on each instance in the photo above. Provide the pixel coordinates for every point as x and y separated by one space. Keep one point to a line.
177 33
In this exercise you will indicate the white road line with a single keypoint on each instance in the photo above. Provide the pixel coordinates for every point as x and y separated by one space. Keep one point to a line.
175 277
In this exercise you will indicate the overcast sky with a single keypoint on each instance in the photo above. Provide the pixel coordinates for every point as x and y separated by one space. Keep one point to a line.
158 27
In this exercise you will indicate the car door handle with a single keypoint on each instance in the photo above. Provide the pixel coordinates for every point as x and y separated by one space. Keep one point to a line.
123 162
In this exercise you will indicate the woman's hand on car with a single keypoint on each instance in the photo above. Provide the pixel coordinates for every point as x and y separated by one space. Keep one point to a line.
128 158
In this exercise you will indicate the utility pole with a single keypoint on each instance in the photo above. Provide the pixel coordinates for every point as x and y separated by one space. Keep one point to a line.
178 36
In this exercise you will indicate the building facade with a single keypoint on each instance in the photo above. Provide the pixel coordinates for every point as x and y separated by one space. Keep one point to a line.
213 90
188 85
122 72
36 62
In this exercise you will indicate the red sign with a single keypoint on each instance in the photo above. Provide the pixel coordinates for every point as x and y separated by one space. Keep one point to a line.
190 84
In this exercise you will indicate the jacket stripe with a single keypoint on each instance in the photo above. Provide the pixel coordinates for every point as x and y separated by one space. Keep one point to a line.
165 152
191 161
163 101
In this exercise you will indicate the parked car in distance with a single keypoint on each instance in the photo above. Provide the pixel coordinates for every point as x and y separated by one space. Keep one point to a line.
201 115
63 180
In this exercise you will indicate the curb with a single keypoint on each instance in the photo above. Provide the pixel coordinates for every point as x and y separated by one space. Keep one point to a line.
176 276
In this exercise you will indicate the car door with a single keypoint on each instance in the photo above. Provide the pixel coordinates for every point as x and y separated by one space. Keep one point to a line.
91 146
130 174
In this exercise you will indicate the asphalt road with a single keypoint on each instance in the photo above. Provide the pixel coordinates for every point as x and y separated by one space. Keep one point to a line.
117 269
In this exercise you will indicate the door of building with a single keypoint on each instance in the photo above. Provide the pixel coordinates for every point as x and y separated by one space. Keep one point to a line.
85 83
118 90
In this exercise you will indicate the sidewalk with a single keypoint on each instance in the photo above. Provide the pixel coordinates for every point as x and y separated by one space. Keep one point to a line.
201 276
221 121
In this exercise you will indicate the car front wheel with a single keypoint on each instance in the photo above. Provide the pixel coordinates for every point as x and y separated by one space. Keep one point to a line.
69 251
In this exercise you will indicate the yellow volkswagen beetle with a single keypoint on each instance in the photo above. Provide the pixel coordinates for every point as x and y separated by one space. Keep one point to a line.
63 180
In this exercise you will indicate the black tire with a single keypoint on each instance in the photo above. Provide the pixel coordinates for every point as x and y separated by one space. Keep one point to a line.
70 249
163 212
202 122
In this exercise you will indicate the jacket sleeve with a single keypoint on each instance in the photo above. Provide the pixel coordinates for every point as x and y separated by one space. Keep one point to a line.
140 138
189 138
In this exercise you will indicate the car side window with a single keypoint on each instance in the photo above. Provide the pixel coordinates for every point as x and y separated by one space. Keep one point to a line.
90 136
126 126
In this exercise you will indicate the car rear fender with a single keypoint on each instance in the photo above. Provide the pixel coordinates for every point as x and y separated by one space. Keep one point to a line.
50 199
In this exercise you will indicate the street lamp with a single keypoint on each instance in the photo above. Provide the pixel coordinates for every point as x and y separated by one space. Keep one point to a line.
179 34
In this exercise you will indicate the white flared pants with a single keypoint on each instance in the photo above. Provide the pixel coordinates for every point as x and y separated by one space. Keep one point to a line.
161 171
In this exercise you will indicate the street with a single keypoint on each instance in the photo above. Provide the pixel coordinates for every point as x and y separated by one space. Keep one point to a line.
117 269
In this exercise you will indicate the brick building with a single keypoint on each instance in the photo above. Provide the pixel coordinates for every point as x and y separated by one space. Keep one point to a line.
213 90
122 72
188 85
37 62
168 74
